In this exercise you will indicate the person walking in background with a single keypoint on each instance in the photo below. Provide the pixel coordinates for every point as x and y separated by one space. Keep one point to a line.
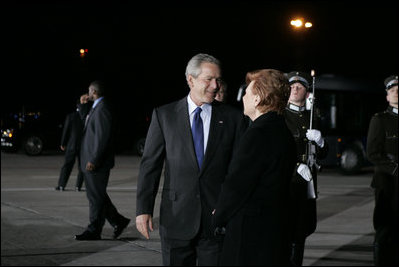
304 180
195 138
97 159
70 144
254 203
382 151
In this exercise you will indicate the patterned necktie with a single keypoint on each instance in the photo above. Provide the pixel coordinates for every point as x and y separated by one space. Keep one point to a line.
198 136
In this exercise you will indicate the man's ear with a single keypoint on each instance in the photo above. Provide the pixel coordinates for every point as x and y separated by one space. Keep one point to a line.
190 81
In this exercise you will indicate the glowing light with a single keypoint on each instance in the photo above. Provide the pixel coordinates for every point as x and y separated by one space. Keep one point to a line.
300 23
7 133
83 52
297 23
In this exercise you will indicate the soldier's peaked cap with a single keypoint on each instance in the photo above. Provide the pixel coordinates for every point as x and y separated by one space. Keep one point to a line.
391 81
299 77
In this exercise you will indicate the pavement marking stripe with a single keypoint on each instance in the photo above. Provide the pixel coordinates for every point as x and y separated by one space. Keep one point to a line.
332 232
129 254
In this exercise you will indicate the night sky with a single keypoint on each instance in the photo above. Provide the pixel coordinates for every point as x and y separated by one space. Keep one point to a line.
141 50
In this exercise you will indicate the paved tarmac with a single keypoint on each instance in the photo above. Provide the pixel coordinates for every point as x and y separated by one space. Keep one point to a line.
38 223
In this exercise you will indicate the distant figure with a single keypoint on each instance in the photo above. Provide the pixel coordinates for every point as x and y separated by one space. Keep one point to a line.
304 180
382 151
221 95
194 138
254 203
70 143
97 159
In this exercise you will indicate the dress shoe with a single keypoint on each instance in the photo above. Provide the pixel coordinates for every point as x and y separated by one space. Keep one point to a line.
87 235
59 188
120 227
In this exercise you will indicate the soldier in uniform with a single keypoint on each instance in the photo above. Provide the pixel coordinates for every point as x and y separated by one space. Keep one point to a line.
382 151
304 180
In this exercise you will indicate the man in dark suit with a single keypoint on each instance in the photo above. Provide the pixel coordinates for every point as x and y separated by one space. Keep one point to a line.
97 159
70 143
195 138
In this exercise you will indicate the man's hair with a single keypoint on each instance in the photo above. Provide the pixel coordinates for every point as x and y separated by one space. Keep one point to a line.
272 87
99 87
194 65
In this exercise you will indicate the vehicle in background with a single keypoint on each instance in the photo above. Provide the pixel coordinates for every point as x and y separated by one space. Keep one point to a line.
131 134
36 132
344 108
33 131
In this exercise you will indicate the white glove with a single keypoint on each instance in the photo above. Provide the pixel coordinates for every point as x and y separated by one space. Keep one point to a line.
304 171
311 192
315 135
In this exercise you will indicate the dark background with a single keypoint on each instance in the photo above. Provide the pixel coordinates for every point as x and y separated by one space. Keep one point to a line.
141 50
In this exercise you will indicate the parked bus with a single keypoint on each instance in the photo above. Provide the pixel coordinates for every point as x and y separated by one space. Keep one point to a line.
345 107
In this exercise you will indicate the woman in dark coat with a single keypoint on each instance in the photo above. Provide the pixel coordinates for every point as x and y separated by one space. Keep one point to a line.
254 202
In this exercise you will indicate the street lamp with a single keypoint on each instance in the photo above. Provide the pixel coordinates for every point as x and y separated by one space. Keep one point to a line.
83 52
301 42
299 23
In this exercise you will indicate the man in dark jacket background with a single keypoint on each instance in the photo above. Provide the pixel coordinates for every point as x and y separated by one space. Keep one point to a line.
70 143
97 159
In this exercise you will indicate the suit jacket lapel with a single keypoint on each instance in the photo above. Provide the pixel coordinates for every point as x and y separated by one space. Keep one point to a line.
92 111
88 117
184 128
215 131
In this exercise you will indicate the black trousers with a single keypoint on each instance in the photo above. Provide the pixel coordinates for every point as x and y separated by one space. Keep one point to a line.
70 156
201 251
305 221
386 242
100 205
304 217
